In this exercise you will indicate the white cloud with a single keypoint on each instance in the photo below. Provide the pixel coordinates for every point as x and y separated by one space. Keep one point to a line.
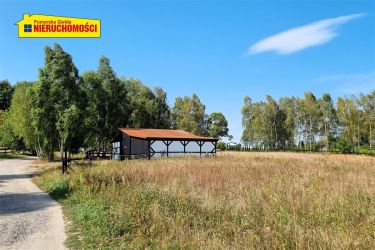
351 84
302 37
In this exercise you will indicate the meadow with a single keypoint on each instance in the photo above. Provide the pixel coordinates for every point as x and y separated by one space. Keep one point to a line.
234 200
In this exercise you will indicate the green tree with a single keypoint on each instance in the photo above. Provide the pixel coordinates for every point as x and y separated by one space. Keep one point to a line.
6 92
351 119
260 125
43 116
274 121
161 112
221 146
264 123
115 94
106 108
328 123
367 102
8 137
217 125
20 113
95 110
189 114
2 114
57 97
247 118
141 103
288 106
309 116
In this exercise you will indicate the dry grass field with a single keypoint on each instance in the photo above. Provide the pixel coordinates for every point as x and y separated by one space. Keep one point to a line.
234 200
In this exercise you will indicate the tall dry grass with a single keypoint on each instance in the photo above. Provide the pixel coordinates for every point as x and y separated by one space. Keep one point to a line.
233 200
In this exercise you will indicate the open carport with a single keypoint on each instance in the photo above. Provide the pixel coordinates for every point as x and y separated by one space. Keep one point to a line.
147 143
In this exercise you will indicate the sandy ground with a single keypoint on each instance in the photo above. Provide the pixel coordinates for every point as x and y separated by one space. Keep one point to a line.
29 218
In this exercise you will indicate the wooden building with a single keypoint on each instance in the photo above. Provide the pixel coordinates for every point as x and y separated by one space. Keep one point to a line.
147 143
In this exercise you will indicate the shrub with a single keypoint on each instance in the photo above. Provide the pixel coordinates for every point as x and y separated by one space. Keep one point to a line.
58 188
221 145
343 145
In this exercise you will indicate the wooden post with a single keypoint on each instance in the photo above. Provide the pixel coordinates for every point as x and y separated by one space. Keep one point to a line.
149 149
130 147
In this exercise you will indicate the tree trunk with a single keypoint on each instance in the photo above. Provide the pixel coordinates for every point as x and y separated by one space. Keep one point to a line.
358 138
62 157
370 136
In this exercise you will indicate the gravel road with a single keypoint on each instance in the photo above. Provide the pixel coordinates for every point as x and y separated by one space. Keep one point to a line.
29 218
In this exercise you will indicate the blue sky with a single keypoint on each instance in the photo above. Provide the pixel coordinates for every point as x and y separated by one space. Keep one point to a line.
220 50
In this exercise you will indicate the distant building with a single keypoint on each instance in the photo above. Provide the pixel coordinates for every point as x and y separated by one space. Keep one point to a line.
147 143
233 145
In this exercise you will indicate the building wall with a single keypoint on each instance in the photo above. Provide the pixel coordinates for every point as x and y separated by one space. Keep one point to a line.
139 147
133 147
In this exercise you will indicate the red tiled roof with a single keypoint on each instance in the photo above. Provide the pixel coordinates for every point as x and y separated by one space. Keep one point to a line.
150 133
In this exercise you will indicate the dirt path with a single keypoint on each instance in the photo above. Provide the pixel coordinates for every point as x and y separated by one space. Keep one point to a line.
29 218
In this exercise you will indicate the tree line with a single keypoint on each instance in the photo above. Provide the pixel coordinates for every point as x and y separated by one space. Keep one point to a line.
310 123
66 111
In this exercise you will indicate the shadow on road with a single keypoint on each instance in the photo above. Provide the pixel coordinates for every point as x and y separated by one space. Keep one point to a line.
14 176
11 203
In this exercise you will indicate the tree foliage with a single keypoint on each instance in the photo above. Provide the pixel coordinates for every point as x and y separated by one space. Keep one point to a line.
189 114
217 125
20 113
6 92
310 123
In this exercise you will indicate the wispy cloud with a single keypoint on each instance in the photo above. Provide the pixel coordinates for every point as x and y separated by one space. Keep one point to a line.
302 37
351 84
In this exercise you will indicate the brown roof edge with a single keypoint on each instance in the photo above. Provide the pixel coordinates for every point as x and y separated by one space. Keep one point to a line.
166 134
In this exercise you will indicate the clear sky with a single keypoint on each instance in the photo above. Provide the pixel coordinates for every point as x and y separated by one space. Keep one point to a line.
220 50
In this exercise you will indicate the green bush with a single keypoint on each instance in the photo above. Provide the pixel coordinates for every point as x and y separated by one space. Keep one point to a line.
365 150
221 145
58 188
343 145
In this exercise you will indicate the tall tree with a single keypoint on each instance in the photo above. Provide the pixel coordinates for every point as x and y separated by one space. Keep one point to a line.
288 106
275 119
367 102
328 122
309 115
189 114
8 137
43 116
57 116
107 105
141 103
351 119
161 112
217 125
260 125
264 123
115 95
247 117
20 113
6 91
2 116
95 110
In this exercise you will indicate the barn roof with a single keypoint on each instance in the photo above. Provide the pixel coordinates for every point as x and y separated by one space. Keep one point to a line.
166 134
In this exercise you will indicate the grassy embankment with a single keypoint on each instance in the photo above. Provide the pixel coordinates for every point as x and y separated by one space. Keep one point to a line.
235 200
